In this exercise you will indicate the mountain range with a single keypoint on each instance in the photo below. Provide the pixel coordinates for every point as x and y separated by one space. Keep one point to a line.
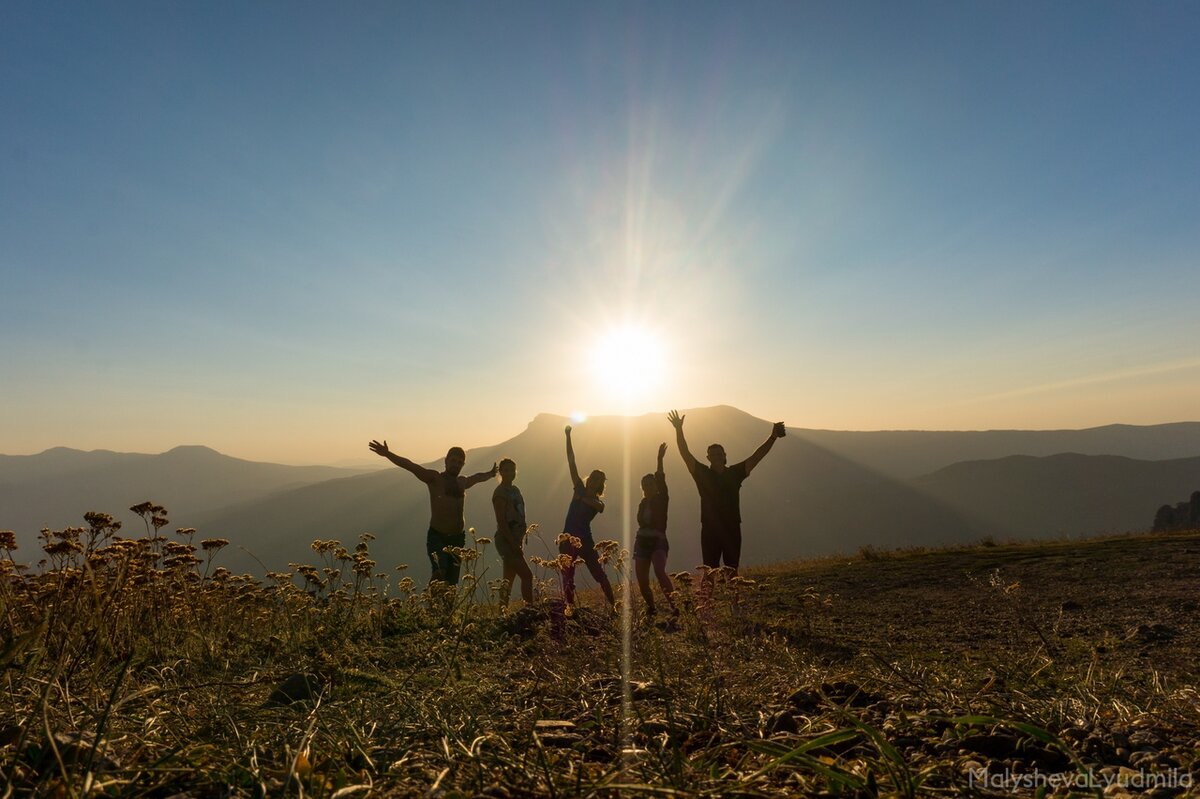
817 492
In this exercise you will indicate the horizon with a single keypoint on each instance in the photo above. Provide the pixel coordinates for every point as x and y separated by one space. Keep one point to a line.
573 419
282 232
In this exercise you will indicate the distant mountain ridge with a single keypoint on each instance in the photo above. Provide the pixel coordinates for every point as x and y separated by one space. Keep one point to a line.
813 494
817 492
54 488
1064 494
912 453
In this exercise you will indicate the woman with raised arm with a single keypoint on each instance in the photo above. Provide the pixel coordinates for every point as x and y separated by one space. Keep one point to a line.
576 541
650 547
510 532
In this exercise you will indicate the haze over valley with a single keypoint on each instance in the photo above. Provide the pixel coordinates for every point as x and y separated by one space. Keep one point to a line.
817 492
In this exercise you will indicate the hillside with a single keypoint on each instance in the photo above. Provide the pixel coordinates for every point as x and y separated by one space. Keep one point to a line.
913 453
1065 494
802 499
818 491
908 674
54 488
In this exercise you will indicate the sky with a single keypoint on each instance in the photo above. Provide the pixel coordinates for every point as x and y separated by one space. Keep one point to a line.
285 229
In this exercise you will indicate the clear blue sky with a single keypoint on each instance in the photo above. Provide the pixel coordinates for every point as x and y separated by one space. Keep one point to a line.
282 229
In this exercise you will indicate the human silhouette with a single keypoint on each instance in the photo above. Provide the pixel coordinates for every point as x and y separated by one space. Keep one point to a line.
586 501
720 489
650 545
447 491
510 532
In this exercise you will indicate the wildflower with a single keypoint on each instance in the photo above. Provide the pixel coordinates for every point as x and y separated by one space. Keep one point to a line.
484 541
63 547
8 540
366 537
181 531
212 544
324 547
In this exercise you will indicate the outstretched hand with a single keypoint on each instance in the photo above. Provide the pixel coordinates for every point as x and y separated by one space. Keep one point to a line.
379 449
495 469
662 450
676 420
567 430
779 431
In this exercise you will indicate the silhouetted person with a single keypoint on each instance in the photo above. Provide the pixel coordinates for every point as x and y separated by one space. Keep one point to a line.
447 491
650 546
510 532
720 489
586 501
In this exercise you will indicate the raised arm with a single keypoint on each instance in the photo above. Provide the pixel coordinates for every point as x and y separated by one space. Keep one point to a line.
420 472
479 478
778 431
677 422
575 479
660 476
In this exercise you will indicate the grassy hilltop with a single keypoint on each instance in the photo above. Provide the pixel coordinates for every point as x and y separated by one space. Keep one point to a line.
141 668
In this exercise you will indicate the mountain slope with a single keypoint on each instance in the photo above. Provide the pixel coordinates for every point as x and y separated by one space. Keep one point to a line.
54 488
1062 494
913 453
801 499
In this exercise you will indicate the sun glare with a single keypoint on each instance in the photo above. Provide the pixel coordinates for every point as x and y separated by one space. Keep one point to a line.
629 362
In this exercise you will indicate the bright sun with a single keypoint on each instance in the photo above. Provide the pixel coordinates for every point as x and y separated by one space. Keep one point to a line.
629 362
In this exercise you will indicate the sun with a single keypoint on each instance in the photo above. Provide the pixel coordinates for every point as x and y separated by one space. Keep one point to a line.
629 362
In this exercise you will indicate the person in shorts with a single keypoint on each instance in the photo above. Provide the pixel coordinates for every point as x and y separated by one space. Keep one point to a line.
650 546
510 532
447 493
576 541
720 487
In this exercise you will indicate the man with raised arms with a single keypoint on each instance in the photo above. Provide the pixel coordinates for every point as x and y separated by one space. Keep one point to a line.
720 488
447 492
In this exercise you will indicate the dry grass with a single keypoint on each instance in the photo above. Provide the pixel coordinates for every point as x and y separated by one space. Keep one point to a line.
138 667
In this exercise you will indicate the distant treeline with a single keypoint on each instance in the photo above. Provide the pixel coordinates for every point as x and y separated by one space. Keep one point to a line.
1180 516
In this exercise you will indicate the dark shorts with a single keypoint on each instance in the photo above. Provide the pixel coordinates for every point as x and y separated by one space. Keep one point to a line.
587 551
722 543
506 549
644 546
445 565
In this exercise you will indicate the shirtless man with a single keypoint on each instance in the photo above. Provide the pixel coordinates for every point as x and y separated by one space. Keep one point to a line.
447 491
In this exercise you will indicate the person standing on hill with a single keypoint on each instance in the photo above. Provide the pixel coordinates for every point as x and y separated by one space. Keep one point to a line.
587 499
650 545
509 506
720 489
447 492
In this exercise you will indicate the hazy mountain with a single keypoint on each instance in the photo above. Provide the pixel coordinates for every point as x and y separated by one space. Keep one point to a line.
1071 494
912 453
802 499
817 492
54 488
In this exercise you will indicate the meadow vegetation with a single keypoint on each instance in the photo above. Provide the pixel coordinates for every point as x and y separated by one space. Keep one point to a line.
138 666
